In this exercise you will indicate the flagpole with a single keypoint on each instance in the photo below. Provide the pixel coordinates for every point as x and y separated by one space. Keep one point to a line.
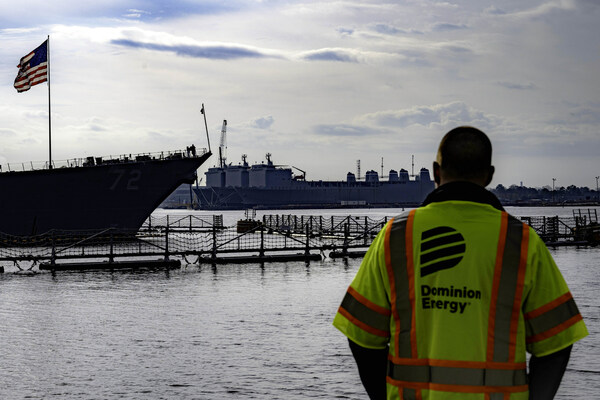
49 109
206 127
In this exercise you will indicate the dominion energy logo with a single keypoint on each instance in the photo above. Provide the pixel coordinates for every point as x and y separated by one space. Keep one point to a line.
441 248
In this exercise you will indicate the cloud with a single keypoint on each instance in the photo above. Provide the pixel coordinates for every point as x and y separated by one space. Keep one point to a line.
341 130
445 27
7 132
443 115
153 135
439 117
518 86
586 116
263 122
136 14
345 31
545 9
218 52
387 29
39 12
342 55
493 10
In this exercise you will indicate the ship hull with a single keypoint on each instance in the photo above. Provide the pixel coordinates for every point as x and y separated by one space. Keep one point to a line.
120 195
330 195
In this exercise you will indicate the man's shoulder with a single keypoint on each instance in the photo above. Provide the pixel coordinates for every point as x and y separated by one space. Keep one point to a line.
403 216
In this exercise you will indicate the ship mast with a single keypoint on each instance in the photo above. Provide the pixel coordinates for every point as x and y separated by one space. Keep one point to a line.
223 145
205 126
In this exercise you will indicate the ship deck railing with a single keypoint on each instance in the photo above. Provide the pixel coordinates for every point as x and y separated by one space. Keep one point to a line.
91 161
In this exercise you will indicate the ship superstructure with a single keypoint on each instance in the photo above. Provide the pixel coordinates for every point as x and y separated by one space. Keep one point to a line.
268 186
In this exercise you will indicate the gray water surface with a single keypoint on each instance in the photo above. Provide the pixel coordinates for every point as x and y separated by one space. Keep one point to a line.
237 331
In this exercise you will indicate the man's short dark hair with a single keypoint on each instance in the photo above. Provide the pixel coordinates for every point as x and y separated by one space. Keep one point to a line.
465 152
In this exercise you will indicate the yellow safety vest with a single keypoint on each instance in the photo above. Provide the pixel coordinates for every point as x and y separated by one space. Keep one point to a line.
459 291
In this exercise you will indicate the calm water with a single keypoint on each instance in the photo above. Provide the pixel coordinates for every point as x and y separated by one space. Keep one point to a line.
246 332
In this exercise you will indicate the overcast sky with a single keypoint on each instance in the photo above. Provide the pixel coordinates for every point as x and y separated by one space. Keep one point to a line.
319 84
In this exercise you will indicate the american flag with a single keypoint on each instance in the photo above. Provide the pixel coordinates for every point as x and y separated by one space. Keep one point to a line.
33 68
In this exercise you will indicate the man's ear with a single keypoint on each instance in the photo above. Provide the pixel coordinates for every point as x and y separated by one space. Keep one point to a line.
490 175
436 173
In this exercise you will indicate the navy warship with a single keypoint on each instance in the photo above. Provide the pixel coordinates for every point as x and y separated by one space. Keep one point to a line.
92 193
269 186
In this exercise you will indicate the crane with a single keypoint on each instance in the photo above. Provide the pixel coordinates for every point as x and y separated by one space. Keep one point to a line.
223 145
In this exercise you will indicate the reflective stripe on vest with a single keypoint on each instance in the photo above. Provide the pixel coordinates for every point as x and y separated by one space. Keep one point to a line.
499 373
551 318
365 314
509 277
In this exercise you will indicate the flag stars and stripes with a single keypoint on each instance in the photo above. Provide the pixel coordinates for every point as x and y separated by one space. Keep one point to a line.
33 68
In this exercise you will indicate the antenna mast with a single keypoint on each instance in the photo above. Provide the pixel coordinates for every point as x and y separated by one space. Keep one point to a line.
205 126
223 146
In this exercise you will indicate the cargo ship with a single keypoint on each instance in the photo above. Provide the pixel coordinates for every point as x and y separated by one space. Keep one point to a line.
92 193
269 186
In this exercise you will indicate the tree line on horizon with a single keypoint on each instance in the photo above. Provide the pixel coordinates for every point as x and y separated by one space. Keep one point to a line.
569 194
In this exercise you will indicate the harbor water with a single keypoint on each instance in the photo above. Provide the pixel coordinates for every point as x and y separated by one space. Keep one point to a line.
227 332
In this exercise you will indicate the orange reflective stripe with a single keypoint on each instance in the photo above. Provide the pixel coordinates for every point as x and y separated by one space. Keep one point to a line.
557 329
354 305
368 303
516 312
362 325
458 364
495 286
401 263
392 280
410 270
400 275
547 307
508 284
551 318
458 388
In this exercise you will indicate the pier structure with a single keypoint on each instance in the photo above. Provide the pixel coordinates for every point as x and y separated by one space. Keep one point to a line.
580 229
325 225
165 242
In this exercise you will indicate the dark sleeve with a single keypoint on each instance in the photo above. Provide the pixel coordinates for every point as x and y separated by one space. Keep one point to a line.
372 368
545 374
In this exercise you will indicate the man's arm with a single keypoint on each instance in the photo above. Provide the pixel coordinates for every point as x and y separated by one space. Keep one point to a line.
372 368
545 374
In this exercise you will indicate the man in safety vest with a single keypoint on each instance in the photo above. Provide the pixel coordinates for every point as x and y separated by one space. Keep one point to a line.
451 296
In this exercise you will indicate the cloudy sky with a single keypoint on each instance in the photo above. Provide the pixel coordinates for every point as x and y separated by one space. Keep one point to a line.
319 84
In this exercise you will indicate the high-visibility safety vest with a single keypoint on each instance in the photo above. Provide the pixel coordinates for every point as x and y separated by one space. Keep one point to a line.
459 291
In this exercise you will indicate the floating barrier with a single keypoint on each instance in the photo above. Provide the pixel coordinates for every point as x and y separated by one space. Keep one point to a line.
114 265
274 239
260 259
